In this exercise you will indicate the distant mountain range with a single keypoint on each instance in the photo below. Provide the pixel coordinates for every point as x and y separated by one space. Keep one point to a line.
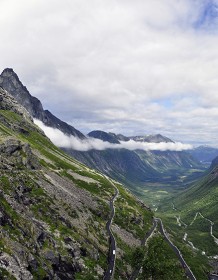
127 166
116 138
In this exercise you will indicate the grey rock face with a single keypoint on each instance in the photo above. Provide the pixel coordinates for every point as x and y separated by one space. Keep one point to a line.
14 153
10 82
7 102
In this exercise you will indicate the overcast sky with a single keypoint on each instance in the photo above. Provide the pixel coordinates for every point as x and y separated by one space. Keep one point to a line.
132 67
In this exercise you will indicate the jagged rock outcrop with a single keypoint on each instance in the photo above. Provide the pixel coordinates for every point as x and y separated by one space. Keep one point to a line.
7 102
13 153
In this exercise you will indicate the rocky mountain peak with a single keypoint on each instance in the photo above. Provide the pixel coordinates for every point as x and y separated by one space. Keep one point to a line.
9 79
8 72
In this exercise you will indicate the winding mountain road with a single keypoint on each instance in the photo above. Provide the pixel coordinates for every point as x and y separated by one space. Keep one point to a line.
112 250
109 274
187 269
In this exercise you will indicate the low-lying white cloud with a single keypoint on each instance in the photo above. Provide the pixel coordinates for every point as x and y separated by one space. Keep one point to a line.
62 140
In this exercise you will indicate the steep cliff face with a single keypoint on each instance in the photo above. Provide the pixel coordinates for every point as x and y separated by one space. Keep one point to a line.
10 82
54 210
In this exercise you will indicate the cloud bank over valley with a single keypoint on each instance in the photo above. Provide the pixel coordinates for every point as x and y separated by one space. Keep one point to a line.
65 141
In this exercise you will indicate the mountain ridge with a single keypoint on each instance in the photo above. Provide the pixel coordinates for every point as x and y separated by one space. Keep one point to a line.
116 138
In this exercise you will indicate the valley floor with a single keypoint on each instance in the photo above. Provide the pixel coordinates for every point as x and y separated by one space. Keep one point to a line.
155 191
